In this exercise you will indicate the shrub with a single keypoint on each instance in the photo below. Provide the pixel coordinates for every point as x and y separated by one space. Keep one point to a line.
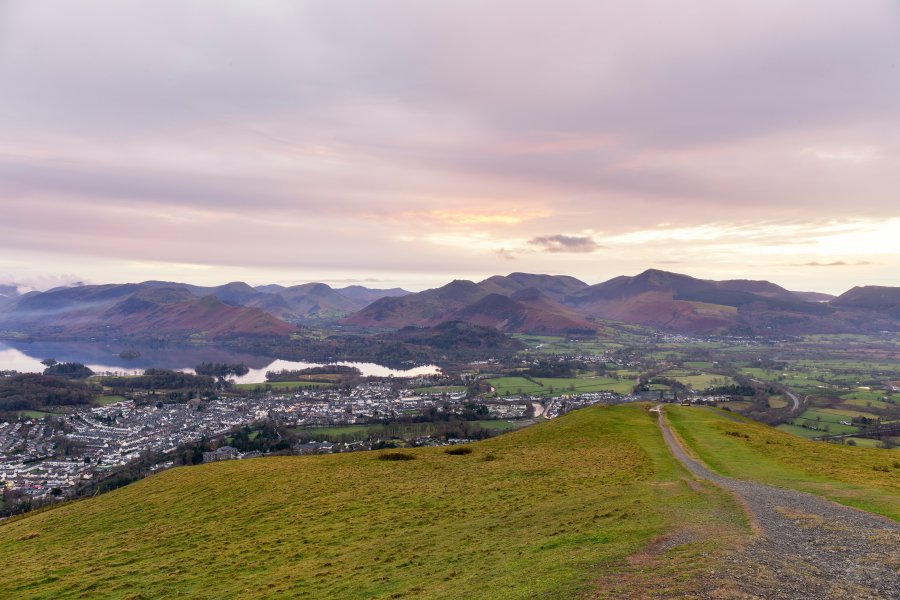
395 456
458 451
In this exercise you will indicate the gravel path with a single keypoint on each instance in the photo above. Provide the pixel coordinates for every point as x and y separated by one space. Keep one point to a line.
808 547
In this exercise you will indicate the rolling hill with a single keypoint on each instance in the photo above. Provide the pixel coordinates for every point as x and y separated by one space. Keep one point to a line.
555 305
871 298
136 311
681 303
515 303
548 511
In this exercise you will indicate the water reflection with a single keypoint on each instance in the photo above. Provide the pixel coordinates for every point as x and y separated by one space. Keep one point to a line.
102 358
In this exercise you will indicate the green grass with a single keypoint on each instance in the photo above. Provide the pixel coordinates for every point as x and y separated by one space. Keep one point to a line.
697 382
800 431
108 399
840 473
281 385
865 395
828 420
777 402
698 364
876 404
559 385
441 389
556 507
402 430
32 414
334 430
864 442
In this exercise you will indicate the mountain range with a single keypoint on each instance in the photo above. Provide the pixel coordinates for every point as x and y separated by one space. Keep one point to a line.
169 310
514 303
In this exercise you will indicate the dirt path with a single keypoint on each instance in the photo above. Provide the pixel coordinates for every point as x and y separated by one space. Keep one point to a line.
795 400
807 547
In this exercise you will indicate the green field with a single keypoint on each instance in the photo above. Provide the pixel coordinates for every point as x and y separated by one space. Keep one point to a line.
865 395
876 404
548 386
700 381
777 402
800 431
441 389
399 430
844 474
32 414
548 511
108 399
281 385
546 344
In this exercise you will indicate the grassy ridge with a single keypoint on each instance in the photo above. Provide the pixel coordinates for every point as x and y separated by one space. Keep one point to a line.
542 511
862 477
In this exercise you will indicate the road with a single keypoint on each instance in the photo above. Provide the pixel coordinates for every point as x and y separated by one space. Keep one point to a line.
807 547
795 400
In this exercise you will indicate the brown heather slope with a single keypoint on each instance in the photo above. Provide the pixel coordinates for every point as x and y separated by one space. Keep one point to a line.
556 287
685 304
527 311
515 310
421 310
137 311
208 316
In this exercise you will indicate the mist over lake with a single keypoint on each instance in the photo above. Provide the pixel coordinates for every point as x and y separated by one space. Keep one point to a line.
26 357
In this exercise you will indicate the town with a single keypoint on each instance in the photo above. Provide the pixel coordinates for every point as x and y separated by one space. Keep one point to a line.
43 459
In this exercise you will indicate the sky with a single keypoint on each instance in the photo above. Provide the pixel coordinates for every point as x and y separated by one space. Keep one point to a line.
410 142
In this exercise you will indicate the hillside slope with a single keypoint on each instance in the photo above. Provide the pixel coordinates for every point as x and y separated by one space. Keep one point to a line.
141 311
545 511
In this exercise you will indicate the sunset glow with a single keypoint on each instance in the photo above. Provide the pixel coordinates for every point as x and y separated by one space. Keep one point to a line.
294 144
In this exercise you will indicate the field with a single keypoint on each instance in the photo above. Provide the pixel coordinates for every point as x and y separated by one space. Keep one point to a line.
699 381
545 344
548 511
281 385
547 386
861 477
777 402
441 389
108 399
400 430
32 414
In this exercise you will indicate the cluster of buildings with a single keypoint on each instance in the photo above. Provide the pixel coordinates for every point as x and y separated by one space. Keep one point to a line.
96 439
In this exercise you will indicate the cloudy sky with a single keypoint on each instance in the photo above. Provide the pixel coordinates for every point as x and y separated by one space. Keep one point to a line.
398 142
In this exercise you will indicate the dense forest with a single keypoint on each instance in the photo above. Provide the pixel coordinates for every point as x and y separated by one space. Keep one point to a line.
31 391
69 370
221 370
311 373
162 379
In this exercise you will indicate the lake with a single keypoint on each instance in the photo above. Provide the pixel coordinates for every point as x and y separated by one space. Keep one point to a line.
106 359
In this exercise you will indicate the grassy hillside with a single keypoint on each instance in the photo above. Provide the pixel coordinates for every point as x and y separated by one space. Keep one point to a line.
863 477
551 510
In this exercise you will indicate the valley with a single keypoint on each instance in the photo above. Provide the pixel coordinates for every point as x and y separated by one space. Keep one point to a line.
436 377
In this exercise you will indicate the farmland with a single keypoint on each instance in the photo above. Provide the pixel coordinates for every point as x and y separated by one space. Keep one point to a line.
547 386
